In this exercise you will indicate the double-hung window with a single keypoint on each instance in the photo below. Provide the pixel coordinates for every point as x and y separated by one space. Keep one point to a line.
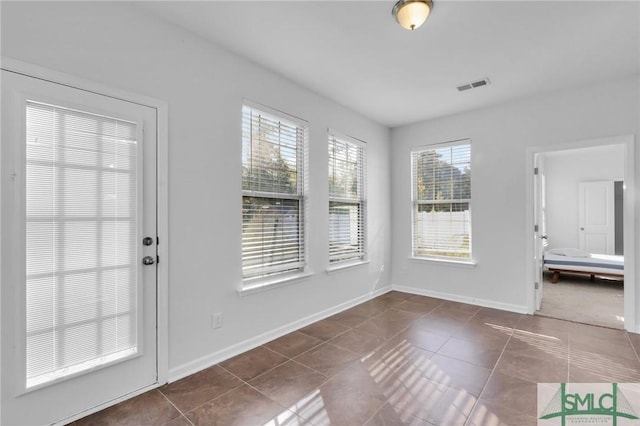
347 203
441 195
273 184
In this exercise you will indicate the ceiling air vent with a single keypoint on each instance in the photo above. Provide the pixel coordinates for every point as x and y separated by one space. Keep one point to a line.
473 85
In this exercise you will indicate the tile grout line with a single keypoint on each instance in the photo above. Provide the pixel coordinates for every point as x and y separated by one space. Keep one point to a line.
386 340
246 382
379 346
331 377
451 336
422 315
277 403
264 372
498 361
493 370
632 346
314 370
176 407
294 360
219 396
322 342
376 413
393 308
303 352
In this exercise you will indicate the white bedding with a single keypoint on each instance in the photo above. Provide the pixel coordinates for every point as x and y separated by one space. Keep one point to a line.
602 263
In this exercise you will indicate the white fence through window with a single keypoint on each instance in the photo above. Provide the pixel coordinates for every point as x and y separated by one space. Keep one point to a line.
442 232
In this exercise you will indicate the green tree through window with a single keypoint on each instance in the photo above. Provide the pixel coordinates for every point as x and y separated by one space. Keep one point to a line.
347 203
272 201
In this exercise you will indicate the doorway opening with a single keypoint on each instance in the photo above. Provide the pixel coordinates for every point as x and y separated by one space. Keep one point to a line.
583 244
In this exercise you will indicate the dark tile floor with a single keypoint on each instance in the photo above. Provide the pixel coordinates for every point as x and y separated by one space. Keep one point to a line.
397 359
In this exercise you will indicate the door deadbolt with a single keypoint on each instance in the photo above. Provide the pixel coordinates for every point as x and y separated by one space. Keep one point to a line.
148 260
147 241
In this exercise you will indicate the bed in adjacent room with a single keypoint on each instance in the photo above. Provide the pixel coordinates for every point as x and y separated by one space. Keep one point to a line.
575 261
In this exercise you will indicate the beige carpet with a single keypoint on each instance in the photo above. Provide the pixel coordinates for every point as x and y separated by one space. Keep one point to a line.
576 298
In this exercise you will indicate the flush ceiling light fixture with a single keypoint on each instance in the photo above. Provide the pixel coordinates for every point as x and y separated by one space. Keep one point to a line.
410 14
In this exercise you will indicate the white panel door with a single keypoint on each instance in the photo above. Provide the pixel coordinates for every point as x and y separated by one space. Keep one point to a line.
78 193
596 224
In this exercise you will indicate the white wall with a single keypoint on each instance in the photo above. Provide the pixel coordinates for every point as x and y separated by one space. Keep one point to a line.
118 45
500 137
564 170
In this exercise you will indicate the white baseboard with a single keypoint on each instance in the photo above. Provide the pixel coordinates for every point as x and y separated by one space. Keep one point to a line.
521 309
207 361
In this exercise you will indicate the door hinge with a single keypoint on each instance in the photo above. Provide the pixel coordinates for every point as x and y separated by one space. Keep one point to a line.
535 171
537 285
158 260
535 228
157 240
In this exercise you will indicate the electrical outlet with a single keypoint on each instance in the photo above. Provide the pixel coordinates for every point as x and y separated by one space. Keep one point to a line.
216 320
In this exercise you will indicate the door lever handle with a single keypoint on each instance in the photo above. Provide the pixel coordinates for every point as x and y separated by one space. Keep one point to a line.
148 260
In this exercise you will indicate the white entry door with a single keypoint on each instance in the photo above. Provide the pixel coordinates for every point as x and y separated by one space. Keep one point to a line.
596 226
78 191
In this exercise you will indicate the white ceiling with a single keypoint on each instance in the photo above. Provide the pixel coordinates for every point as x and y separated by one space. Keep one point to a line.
356 54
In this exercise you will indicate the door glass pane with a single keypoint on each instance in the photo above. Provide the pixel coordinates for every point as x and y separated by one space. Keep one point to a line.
81 231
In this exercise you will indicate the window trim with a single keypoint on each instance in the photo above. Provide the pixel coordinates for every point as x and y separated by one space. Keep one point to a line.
264 284
252 284
443 260
347 264
363 255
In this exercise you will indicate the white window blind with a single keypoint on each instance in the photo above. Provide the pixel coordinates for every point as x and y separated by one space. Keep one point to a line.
347 205
442 201
273 182
80 241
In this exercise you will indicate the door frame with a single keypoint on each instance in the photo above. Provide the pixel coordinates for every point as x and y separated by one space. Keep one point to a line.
162 114
631 322
539 237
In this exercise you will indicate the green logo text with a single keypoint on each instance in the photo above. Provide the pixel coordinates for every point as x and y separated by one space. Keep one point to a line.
613 404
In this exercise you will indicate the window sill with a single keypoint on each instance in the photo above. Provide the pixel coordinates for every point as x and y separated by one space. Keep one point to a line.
268 284
345 265
449 262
